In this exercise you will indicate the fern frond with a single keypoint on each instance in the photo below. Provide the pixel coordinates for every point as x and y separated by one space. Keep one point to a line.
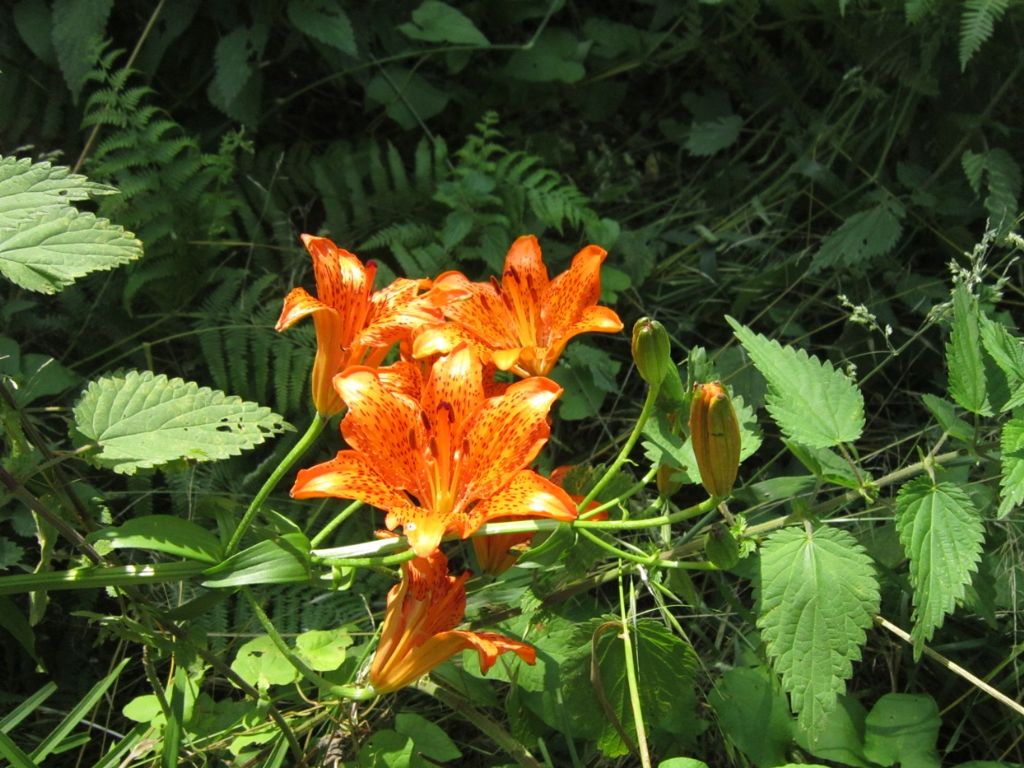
977 24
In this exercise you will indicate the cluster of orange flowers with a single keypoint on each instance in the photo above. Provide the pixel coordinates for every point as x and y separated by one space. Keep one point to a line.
434 440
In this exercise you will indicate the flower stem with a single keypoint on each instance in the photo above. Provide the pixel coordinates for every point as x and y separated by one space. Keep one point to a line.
340 518
631 681
315 428
645 414
354 692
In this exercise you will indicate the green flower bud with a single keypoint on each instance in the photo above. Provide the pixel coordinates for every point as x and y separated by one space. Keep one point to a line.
652 350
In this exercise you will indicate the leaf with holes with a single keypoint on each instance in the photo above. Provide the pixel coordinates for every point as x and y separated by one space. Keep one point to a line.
942 534
29 189
140 420
811 401
816 595
47 253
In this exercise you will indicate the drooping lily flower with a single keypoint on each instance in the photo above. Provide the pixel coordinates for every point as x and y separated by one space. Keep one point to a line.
419 626
527 319
445 462
354 324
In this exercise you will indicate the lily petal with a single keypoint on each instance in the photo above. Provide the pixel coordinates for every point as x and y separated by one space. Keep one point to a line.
297 305
456 385
574 290
342 282
528 495
348 475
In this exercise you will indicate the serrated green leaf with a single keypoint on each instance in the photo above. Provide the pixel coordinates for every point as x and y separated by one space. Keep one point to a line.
1011 445
811 401
386 749
816 596
861 238
28 189
710 137
234 57
828 465
326 21
162 533
942 534
903 728
1007 352
77 32
437 22
587 375
963 355
48 252
139 420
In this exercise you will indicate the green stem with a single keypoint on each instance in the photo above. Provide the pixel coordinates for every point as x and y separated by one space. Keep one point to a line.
633 490
648 522
631 681
370 562
315 428
93 577
354 692
645 414
340 518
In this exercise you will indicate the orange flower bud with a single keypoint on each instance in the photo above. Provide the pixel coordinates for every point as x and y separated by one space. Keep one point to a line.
652 350
715 435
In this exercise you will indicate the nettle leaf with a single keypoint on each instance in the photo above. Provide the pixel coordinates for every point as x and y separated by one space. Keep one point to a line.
862 237
1007 352
945 413
325 21
1011 445
963 355
77 36
29 189
712 136
811 401
436 22
49 252
942 534
139 420
816 596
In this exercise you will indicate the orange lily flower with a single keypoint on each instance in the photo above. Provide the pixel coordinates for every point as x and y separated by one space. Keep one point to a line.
527 320
497 553
354 325
419 627
445 462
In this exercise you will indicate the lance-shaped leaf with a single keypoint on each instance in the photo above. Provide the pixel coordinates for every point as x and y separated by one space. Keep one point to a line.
1012 483
963 355
942 533
811 401
139 420
816 595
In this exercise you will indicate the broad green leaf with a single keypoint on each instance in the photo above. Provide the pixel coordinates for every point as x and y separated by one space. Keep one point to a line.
78 31
261 664
1007 352
682 762
34 21
829 466
942 534
326 21
386 749
811 401
745 695
28 189
139 420
429 738
275 561
436 22
1011 446
556 56
861 238
711 137
144 709
587 376
407 96
162 533
945 413
665 669
963 355
817 594
323 649
48 252
841 739
903 728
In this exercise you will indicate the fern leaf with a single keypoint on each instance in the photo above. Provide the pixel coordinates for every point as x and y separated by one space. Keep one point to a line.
977 24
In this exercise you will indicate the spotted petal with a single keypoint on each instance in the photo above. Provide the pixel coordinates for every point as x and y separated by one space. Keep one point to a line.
528 495
349 475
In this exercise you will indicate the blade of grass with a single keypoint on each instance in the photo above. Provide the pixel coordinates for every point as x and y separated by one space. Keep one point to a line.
26 708
13 753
